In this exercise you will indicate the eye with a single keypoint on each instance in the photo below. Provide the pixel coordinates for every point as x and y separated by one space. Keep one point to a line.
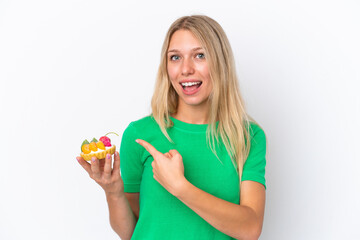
174 57
200 55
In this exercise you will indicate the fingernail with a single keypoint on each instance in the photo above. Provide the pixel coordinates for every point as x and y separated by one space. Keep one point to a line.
108 156
137 140
93 159
78 159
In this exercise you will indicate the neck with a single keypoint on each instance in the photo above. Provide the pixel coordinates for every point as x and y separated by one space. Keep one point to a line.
192 114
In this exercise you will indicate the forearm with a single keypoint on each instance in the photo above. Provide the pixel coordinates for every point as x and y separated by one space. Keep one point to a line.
237 221
122 219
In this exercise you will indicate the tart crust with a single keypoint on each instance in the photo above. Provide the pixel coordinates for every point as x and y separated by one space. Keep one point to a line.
98 155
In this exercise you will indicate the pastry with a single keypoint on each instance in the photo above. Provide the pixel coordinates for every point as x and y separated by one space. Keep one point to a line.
96 148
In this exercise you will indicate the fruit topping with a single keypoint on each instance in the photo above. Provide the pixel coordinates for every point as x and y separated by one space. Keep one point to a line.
83 143
106 141
93 146
100 145
85 148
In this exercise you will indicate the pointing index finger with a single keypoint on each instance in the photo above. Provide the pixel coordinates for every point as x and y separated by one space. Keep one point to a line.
148 147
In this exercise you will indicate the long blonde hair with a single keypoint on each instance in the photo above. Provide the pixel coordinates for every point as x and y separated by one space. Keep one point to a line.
226 104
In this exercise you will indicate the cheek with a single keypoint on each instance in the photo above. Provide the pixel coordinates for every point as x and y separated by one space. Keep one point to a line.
206 72
172 78
171 72
203 70
206 76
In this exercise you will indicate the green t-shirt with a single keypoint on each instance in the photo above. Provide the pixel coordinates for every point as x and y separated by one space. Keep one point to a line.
163 216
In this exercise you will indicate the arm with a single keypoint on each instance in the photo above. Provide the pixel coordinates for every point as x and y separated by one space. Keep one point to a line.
133 199
122 218
242 221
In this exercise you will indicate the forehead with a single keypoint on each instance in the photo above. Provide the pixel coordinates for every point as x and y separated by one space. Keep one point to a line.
183 40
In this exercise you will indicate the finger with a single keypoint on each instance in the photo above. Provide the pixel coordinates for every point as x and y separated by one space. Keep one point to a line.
95 168
168 155
148 147
116 162
174 152
107 167
101 164
84 164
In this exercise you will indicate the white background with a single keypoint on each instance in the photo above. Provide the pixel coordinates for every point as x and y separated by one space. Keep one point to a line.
75 69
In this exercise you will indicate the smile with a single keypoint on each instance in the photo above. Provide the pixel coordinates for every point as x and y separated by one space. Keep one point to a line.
190 88
189 84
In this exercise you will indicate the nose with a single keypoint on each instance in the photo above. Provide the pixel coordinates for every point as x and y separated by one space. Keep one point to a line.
187 67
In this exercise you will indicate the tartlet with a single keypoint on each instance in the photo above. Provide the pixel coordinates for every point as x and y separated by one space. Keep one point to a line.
98 149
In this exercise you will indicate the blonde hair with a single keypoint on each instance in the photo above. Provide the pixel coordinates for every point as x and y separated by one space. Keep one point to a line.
226 104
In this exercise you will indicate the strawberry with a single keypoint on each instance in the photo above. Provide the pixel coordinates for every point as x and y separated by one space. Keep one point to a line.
106 141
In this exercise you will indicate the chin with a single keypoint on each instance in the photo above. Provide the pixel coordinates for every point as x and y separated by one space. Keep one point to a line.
195 102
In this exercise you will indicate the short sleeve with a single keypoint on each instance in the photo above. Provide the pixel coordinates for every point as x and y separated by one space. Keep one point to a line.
130 160
254 167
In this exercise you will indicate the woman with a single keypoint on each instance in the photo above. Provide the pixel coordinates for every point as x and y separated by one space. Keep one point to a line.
185 164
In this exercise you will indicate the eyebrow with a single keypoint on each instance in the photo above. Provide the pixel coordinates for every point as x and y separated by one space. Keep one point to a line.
194 49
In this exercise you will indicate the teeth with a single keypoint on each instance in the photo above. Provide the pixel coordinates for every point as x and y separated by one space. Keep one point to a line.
187 84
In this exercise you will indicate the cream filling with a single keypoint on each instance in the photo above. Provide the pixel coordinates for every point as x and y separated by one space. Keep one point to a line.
99 150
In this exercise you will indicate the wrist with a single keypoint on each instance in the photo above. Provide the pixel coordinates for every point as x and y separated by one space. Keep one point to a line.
182 187
114 196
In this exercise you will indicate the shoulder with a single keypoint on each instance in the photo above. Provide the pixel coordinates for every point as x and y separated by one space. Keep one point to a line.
144 120
143 123
137 129
256 132
254 166
143 127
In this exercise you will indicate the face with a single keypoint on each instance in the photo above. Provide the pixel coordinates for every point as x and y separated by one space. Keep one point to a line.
188 69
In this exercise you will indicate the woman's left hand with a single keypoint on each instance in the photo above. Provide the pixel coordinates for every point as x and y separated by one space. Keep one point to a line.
168 168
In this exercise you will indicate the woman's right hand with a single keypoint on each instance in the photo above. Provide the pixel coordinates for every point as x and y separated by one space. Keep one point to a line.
107 177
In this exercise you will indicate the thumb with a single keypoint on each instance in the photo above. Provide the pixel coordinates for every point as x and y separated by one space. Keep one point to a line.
174 153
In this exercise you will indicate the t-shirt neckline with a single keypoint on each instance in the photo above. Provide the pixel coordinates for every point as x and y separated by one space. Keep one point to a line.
189 126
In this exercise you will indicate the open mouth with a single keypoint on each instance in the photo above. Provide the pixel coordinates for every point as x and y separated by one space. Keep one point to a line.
190 86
